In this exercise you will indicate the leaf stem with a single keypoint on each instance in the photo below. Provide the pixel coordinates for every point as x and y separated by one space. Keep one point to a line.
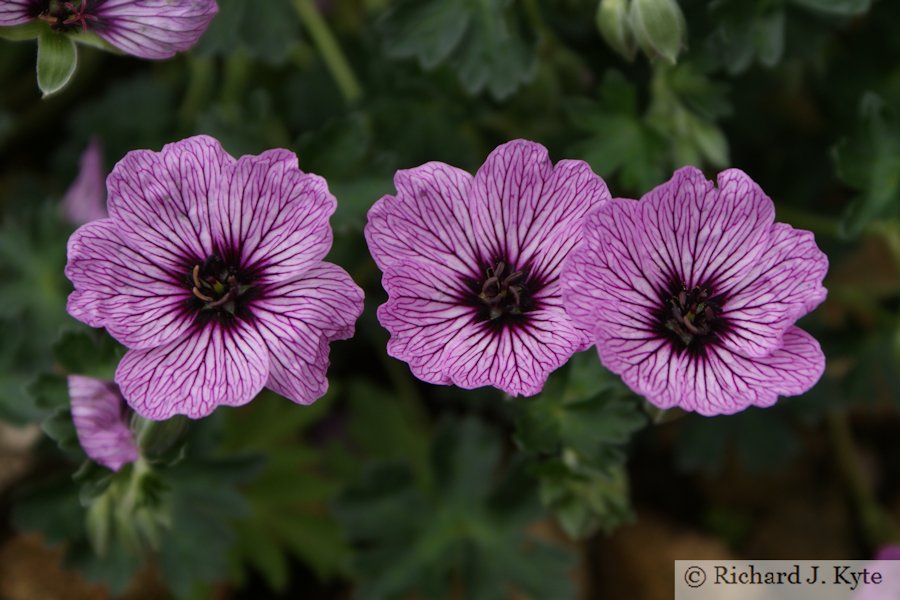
330 50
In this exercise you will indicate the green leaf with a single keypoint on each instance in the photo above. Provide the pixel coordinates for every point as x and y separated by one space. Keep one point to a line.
49 391
593 413
869 161
619 141
287 518
59 428
25 31
468 529
267 31
56 61
575 430
88 352
746 32
844 8
483 41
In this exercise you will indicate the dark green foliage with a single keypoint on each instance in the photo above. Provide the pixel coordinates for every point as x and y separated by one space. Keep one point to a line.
576 430
869 161
266 31
462 527
483 41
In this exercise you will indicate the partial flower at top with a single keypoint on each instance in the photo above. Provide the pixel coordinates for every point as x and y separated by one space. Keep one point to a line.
85 200
100 417
152 29
472 267
691 294
209 269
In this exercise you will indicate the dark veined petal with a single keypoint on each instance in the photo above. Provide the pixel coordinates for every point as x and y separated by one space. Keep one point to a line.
610 284
153 29
98 415
725 382
426 320
16 12
783 285
210 366
428 221
443 343
699 233
297 320
140 304
530 212
273 214
160 201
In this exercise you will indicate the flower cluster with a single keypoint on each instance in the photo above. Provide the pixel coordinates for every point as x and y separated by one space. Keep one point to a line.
209 270
152 29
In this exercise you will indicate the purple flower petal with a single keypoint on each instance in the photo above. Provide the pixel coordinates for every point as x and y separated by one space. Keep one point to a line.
160 200
85 200
276 214
214 365
152 29
888 552
691 294
98 415
426 320
297 320
428 221
16 12
529 211
783 285
471 267
140 304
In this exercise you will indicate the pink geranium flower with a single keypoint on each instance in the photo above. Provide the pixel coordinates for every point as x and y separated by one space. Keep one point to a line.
209 269
472 264
691 294
153 29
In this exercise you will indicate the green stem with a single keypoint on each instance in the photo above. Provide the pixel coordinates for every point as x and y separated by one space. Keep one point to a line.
199 85
329 49
878 526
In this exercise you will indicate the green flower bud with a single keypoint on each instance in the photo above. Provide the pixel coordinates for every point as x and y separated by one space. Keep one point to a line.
612 21
659 27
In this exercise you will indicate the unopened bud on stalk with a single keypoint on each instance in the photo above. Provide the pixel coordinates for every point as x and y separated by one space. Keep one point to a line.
612 21
658 27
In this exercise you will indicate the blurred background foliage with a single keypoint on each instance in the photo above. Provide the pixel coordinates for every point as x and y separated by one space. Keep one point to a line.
390 488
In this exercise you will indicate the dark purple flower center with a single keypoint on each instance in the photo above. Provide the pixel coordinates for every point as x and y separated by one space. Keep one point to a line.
692 318
503 294
64 16
219 289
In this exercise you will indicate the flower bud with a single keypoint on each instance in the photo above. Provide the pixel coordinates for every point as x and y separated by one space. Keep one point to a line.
658 27
612 21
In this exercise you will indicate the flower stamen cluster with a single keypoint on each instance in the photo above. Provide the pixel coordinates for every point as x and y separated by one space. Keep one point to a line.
65 16
692 315
503 295
216 285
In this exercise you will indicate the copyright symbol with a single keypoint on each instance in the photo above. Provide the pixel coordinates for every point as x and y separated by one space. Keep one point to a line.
694 577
